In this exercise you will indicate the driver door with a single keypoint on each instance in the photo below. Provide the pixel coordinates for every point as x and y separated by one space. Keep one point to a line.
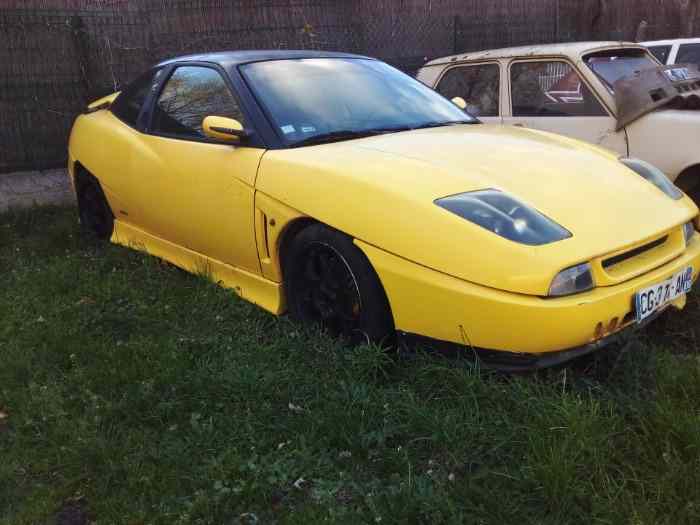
194 192
550 95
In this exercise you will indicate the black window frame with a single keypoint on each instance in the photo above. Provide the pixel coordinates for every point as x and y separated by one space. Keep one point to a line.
255 140
156 79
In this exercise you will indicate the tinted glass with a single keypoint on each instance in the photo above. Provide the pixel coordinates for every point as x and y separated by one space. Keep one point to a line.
611 66
551 89
191 94
128 104
660 52
478 85
315 97
688 54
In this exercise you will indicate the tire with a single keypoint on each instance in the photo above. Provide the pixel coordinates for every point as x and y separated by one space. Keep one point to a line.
96 218
694 194
331 283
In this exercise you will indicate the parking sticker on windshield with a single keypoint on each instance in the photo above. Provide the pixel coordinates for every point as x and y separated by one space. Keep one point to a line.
287 129
308 129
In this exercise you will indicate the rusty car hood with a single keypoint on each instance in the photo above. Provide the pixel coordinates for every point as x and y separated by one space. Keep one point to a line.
675 87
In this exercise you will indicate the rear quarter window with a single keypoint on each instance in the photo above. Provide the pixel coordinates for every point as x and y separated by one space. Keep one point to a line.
128 105
688 54
660 52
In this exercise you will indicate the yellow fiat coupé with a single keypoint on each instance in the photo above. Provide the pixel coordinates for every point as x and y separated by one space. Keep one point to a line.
340 190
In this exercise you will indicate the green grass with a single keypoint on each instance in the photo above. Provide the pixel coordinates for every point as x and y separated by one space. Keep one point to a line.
142 394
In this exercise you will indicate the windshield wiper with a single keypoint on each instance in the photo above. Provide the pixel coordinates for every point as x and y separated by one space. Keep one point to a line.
441 124
424 126
348 134
335 136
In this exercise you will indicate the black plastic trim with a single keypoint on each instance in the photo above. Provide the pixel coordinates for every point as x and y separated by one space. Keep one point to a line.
617 259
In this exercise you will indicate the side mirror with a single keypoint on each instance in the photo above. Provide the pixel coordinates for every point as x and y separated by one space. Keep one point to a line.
460 102
223 128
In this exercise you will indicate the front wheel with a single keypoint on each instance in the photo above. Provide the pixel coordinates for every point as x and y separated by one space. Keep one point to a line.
330 282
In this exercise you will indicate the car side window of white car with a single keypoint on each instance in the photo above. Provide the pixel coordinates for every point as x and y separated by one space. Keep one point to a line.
191 94
688 54
477 84
551 89
660 52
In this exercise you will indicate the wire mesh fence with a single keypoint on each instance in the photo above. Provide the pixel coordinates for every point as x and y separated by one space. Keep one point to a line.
56 55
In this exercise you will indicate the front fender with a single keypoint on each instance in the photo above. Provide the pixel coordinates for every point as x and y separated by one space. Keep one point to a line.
350 193
668 139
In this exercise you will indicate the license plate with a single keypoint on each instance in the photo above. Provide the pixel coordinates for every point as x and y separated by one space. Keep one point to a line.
653 298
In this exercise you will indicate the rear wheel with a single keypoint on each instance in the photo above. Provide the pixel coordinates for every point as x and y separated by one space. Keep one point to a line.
96 218
330 282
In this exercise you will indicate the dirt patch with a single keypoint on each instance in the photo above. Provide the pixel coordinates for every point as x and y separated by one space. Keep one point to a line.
73 512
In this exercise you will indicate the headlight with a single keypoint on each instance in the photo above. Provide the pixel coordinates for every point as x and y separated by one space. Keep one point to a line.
572 280
688 232
653 175
503 215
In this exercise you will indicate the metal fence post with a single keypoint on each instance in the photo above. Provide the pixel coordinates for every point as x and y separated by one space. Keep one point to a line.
455 26
80 41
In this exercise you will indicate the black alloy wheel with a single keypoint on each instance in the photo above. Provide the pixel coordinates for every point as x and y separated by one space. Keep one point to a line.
330 282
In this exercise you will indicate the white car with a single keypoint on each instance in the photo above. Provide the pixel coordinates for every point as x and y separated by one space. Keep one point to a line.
678 51
613 94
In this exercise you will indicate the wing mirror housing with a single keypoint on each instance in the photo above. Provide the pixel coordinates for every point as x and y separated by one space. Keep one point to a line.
225 129
459 102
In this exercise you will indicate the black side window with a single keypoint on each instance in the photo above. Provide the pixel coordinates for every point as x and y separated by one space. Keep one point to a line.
478 85
191 94
660 52
128 104
688 54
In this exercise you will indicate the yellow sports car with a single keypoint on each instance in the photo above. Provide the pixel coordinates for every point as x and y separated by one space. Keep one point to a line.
341 190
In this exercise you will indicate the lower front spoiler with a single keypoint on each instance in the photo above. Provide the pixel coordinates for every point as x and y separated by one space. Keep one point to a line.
518 361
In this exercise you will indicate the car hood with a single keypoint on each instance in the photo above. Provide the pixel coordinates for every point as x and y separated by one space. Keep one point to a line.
382 190
674 87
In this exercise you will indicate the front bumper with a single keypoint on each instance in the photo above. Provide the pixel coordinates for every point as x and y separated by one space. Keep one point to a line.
520 361
442 308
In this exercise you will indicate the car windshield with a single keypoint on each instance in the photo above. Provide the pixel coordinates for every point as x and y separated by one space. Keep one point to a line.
613 65
326 99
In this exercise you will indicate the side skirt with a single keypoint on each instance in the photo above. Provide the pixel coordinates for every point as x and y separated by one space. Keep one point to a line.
253 288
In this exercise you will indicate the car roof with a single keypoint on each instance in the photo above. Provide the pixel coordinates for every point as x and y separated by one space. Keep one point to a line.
567 49
234 58
672 41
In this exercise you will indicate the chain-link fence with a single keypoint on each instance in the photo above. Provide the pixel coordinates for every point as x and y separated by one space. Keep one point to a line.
56 55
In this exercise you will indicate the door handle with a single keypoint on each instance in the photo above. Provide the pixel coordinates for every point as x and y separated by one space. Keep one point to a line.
519 125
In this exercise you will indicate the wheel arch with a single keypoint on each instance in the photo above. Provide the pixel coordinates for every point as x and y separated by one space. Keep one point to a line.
296 226
689 178
80 174
291 230
689 182
376 315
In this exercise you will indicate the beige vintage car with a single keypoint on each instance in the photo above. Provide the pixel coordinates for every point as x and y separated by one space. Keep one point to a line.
613 94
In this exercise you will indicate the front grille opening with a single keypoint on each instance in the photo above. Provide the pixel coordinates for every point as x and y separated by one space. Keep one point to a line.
612 261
